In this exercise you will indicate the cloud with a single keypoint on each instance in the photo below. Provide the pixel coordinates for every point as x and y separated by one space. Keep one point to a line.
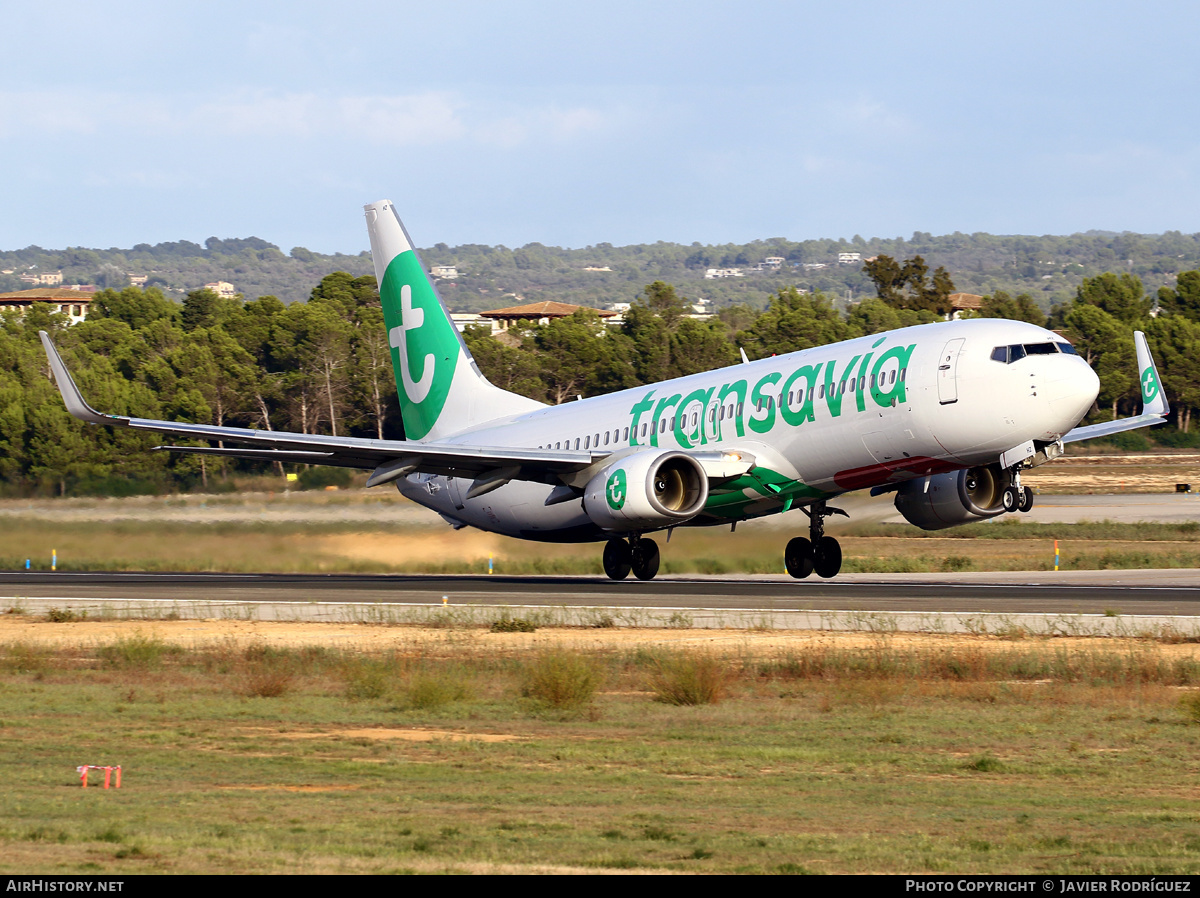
425 118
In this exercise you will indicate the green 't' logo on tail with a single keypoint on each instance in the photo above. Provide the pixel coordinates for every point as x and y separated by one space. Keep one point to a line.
1149 384
425 346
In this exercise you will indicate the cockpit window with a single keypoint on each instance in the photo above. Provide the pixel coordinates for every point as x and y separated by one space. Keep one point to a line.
1018 351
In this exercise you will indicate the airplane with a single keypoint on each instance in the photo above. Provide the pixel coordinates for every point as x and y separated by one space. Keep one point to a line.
945 415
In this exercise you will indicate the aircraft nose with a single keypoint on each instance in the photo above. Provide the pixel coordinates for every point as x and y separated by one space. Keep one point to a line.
1072 393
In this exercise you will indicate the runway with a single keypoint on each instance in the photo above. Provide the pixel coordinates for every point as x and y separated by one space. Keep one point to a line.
1159 592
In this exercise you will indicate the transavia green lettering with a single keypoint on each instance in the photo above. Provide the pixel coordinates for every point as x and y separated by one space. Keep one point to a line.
804 386
806 376
895 392
760 398
656 426
643 405
699 398
424 346
835 389
738 389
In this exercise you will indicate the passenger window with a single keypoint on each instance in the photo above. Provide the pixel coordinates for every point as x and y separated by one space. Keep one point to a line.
587 442
903 372
821 392
626 434
577 443
606 436
893 377
596 441
558 445
671 426
739 409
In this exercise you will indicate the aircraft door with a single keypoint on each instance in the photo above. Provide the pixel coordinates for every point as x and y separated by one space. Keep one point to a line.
948 371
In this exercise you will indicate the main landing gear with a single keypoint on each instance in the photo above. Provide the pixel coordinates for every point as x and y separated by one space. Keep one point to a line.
818 553
639 554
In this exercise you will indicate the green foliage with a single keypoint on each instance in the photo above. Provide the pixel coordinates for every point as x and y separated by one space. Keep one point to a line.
324 366
322 477
561 680
910 286
513 625
136 651
690 679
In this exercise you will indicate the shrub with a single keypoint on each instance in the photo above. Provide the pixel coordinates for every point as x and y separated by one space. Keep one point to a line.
322 476
1190 704
561 680
430 689
513 625
688 679
136 651
61 615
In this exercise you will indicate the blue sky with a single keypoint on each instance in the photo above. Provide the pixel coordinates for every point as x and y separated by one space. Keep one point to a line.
572 124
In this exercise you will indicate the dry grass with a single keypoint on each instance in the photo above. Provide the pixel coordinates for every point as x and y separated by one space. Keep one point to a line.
407 750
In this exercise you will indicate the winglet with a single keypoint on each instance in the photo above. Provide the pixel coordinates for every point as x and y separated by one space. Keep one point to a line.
1154 399
70 393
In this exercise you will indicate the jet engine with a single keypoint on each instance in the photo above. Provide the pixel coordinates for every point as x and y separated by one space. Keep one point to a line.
646 491
959 497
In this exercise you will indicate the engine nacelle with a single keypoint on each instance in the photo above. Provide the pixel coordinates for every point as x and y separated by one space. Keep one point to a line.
646 491
948 500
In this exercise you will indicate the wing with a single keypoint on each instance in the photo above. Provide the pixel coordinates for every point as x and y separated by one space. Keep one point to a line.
1154 400
388 460
489 467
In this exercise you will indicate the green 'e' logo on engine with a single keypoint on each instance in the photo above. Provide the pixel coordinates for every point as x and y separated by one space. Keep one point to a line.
615 491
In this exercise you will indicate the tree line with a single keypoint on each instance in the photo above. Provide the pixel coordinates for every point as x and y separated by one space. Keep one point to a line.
324 366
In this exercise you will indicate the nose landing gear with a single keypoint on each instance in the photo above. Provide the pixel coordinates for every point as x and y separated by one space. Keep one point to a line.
639 554
1017 497
819 554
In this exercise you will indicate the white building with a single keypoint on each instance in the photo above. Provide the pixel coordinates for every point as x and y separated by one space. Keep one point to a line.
444 271
849 258
222 288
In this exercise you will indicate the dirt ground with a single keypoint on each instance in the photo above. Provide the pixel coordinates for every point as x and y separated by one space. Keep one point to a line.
1115 474
371 638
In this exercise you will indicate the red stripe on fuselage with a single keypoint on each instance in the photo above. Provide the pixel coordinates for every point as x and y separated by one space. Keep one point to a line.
876 475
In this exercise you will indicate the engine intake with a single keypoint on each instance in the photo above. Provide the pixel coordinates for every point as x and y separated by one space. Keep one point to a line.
646 491
948 500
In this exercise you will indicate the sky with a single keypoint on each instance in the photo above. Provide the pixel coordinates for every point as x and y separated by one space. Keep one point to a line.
572 124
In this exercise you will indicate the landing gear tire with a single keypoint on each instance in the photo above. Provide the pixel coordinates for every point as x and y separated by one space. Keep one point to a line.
798 557
1026 503
1011 500
645 559
827 557
618 559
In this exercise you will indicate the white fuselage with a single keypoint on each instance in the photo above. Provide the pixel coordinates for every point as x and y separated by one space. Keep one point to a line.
867 412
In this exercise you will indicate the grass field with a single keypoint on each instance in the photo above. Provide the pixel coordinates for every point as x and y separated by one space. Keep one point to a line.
476 751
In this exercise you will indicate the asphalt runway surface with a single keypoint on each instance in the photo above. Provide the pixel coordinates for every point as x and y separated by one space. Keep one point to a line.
1169 592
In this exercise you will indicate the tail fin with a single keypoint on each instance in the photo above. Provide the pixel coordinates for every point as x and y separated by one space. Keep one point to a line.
440 387
1154 400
